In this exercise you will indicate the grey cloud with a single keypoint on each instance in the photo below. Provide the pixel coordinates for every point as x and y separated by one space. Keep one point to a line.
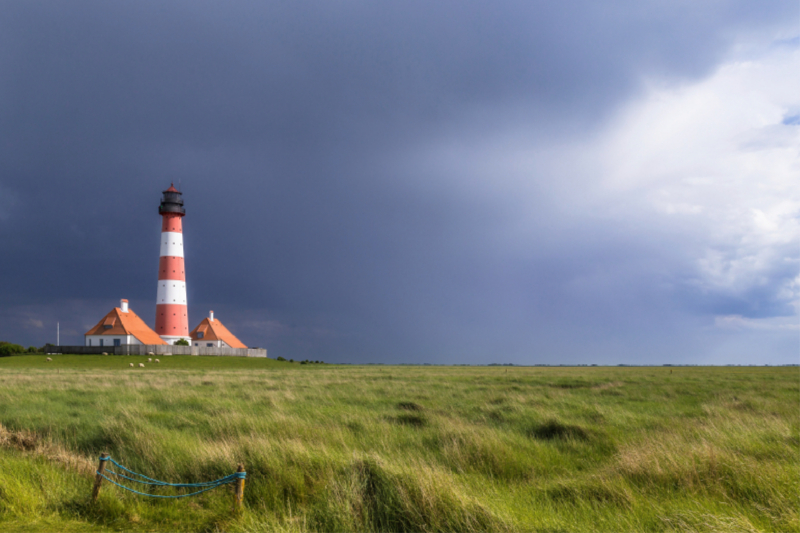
292 129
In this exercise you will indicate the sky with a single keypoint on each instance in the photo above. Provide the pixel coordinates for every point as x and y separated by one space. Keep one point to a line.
412 182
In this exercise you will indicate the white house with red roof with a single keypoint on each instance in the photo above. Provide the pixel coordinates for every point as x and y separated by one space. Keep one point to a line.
210 333
121 326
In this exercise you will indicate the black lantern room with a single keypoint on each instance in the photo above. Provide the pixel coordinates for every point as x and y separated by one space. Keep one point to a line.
171 202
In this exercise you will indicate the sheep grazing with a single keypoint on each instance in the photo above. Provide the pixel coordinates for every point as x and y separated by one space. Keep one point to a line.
49 359
131 365
157 361
149 359
150 353
141 365
105 353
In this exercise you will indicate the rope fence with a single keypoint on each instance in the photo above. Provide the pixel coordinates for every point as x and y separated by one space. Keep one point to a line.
237 477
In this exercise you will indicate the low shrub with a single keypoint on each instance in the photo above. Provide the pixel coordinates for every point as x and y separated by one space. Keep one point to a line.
7 348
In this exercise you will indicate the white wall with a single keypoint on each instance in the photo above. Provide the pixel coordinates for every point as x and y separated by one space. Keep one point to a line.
202 343
170 339
108 340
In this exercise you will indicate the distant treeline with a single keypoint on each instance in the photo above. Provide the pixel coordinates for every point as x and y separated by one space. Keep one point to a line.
9 348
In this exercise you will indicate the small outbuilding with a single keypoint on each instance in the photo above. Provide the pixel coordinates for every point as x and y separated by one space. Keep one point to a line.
121 326
210 333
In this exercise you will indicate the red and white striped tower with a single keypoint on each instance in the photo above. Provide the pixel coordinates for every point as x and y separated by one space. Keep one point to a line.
172 321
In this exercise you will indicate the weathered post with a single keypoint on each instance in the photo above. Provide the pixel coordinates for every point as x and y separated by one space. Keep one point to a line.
99 477
238 490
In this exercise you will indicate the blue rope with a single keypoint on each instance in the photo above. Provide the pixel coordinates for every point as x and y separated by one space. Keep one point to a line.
158 495
220 481
207 485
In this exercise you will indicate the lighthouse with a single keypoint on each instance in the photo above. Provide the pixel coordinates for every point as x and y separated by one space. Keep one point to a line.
172 321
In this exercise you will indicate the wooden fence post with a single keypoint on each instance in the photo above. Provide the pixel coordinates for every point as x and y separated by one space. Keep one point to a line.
99 478
238 491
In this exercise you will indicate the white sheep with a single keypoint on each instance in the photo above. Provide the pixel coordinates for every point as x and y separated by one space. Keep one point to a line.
149 359
157 361
131 365
150 353
105 353
141 365
49 359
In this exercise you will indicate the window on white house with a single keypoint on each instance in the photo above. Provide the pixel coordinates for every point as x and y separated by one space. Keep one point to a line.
210 344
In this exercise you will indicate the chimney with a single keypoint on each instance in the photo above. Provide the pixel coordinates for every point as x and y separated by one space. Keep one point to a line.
211 316
123 304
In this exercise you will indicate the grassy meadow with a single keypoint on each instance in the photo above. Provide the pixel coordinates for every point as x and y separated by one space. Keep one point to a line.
400 448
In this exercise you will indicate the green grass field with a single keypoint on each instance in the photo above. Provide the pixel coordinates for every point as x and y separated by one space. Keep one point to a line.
401 448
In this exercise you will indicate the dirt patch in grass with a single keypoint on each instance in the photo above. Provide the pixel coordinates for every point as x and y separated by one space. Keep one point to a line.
32 443
496 415
413 420
598 491
572 384
355 426
553 429
410 406
21 440
608 385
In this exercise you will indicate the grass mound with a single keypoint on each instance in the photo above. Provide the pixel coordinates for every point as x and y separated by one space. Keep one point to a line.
371 496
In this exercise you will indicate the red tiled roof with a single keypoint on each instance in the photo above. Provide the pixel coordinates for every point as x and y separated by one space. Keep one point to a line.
125 324
215 331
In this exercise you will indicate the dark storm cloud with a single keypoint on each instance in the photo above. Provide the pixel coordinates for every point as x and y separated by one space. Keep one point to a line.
312 226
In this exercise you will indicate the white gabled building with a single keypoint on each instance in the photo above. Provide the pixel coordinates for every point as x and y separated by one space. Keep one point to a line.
210 333
121 326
